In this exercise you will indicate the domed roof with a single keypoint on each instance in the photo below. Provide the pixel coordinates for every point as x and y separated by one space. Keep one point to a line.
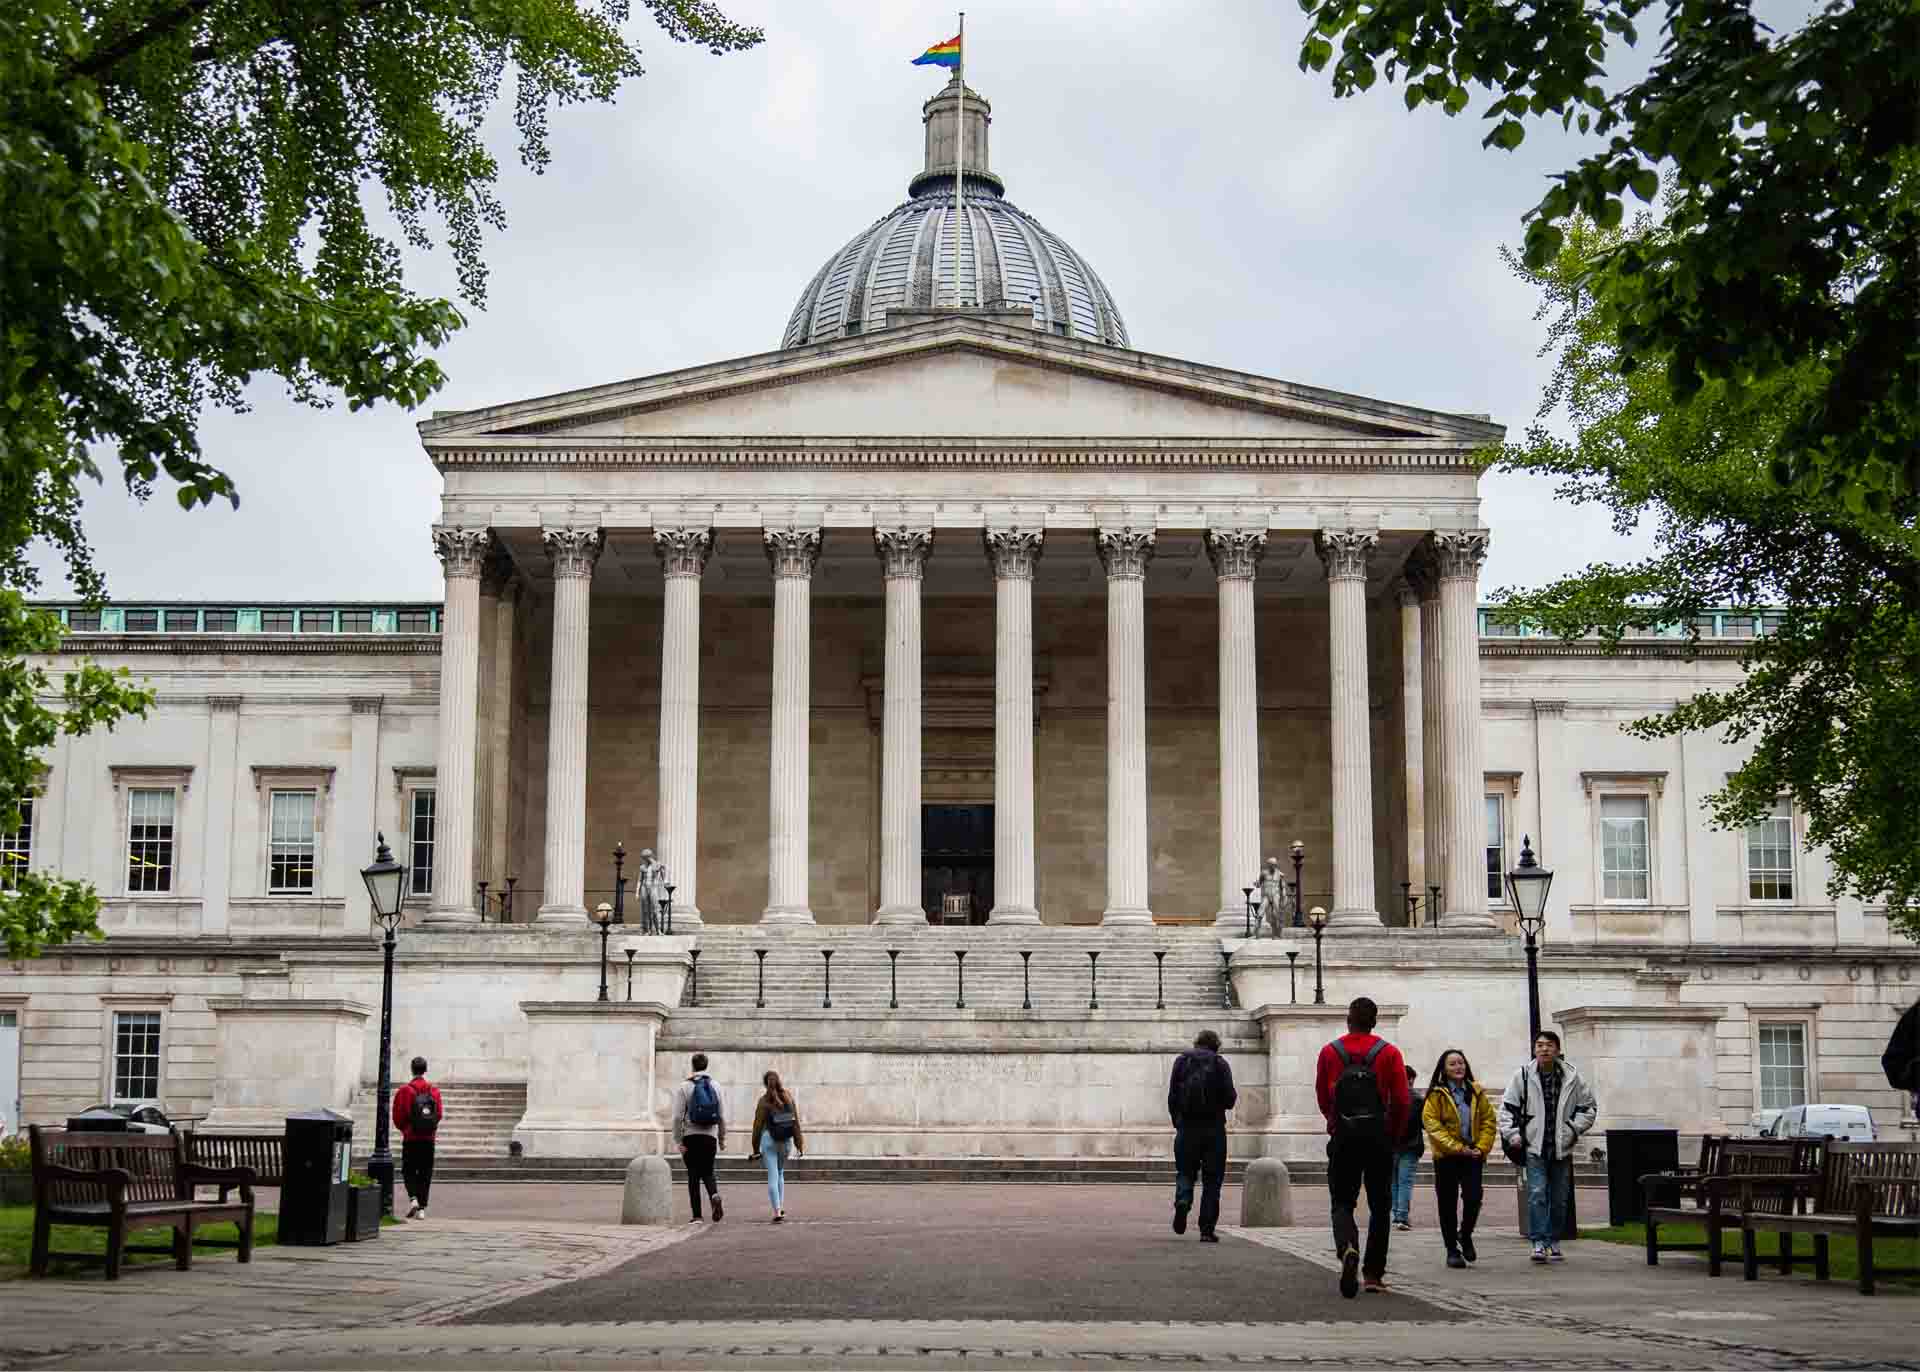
906 260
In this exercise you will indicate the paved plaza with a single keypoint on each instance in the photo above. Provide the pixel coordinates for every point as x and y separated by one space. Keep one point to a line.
916 1276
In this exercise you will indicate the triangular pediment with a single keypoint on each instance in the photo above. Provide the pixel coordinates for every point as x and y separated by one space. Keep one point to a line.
956 376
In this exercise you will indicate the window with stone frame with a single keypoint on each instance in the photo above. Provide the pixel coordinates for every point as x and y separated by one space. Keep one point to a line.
150 840
420 827
16 847
136 1056
1769 845
1626 865
292 842
1496 847
1783 1065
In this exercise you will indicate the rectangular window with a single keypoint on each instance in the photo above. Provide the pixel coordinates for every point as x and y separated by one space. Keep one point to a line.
149 841
182 621
1783 1066
222 621
1625 869
420 843
1496 852
84 621
356 621
1770 854
136 1055
316 621
143 621
16 851
290 850
413 622
276 621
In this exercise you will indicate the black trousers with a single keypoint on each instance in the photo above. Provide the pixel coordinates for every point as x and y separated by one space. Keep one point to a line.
1200 1150
1349 1167
416 1169
700 1153
1456 1182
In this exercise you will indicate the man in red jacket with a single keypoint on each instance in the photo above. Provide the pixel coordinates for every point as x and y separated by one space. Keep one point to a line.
418 1112
1361 1084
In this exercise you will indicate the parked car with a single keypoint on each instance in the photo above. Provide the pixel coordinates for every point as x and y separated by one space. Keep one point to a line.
143 1117
1760 1123
1854 1123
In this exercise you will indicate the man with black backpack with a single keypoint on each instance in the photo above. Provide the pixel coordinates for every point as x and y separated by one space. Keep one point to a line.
417 1109
1361 1084
700 1128
1199 1094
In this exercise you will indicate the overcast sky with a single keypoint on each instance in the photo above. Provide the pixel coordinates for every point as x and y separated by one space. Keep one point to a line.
1239 214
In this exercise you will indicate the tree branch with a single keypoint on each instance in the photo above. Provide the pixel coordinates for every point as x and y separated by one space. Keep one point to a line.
156 28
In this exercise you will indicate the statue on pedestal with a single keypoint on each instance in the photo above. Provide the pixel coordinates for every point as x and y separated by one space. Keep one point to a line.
645 884
1275 898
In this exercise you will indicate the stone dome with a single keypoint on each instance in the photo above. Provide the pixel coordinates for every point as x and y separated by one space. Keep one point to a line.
905 260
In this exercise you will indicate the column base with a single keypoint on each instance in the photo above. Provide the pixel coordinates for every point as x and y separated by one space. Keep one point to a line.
1126 917
450 916
1013 914
790 915
561 914
1233 923
1469 922
1355 919
900 914
687 920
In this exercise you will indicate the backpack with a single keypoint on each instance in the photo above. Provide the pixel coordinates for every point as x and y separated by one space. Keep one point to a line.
1359 1108
1198 1100
780 1125
423 1115
703 1105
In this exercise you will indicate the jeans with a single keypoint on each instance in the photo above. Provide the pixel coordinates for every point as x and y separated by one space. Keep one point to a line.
1349 1167
1403 1165
700 1151
1457 1188
416 1169
773 1157
1549 1182
1199 1150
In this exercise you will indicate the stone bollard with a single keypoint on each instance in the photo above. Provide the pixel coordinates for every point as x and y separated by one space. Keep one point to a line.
1266 1196
649 1194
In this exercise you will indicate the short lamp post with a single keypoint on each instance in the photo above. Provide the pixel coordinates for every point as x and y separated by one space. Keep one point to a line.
1317 921
385 885
1527 887
1251 908
1299 851
603 916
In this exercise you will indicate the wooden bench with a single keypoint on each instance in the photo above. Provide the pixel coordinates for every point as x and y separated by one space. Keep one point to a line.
1720 1158
264 1153
1866 1190
124 1182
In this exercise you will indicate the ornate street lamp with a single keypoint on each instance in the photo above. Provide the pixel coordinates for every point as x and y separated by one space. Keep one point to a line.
1317 921
666 908
603 916
1299 851
386 880
630 953
1251 926
1293 992
1527 887
620 884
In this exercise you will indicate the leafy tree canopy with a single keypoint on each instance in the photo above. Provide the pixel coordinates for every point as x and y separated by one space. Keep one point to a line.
184 205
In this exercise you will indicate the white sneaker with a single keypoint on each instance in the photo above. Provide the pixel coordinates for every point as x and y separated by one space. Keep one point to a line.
413 1210
420 1212
1539 1252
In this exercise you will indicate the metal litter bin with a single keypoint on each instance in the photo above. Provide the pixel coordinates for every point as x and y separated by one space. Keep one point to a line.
1631 1154
313 1199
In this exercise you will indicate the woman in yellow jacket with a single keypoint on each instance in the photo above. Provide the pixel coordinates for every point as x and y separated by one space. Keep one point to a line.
1460 1124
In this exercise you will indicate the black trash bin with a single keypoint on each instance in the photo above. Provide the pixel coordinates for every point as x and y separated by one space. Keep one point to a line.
313 1199
98 1120
1631 1154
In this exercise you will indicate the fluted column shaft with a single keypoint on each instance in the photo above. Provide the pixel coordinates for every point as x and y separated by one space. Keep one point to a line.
461 553
1125 554
1236 556
683 557
574 553
1013 553
1346 554
1459 556
793 554
903 558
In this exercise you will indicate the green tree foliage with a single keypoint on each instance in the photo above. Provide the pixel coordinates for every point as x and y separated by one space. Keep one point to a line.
1795 218
1830 700
185 193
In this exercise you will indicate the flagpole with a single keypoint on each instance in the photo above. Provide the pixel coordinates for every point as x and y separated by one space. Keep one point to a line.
960 156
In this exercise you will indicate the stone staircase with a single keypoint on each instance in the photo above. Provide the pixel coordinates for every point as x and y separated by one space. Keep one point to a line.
479 1123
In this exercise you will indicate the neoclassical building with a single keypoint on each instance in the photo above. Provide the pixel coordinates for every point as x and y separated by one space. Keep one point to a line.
954 625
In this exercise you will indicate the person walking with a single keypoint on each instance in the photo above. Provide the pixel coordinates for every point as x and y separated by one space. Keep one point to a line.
700 1128
1548 1106
1412 1145
1459 1121
776 1129
1360 1082
418 1110
1200 1092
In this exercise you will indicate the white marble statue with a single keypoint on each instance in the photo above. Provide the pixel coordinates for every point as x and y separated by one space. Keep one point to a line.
645 880
1275 902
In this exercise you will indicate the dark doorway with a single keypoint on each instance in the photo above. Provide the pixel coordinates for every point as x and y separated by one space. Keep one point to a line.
956 858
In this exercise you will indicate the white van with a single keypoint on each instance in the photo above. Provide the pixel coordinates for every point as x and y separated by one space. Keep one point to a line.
1760 1124
1853 1123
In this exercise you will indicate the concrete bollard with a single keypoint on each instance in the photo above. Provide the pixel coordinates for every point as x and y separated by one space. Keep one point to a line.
1266 1196
649 1193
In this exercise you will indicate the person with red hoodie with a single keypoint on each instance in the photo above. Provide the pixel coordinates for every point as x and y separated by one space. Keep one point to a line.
418 1111
1361 1084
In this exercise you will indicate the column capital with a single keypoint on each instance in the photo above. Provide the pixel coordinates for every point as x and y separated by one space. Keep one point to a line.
793 552
1013 552
1346 552
683 552
1422 573
1125 552
1459 554
903 551
574 551
1236 553
461 550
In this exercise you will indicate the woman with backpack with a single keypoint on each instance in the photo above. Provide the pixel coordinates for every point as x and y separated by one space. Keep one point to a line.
776 1127
1460 1124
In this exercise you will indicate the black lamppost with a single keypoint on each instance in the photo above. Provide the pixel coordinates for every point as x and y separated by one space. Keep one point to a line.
893 978
603 916
1527 887
693 976
386 880
1248 892
1317 921
506 901
1293 960
1026 984
483 902
1433 907
1160 979
760 979
630 953
1299 851
826 1000
1093 980
667 909
620 883
960 978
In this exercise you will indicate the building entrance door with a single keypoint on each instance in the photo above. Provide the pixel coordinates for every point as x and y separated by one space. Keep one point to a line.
956 859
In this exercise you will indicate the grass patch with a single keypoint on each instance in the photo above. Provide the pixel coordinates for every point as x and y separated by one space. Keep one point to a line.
1843 1255
16 1241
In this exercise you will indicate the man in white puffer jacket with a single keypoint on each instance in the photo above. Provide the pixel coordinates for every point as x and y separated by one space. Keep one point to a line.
1547 1090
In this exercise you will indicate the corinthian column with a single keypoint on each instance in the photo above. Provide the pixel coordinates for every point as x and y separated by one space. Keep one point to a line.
793 554
1013 553
1125 554
1346 553
1423 576
903 558
461 553
1235 555
1459 556
574 552
683 557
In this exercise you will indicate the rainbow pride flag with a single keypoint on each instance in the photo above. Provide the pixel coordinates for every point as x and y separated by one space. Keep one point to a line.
945 54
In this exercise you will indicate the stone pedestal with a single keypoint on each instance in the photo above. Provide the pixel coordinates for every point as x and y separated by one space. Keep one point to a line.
1266 1196
590 1079
275 1057
1661 1056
